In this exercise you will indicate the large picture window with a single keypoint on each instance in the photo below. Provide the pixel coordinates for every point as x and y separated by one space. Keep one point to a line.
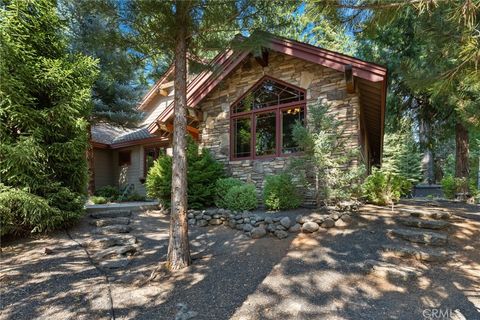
262 120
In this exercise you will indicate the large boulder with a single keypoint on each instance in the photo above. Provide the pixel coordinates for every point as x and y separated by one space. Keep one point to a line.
280 234
295 228
328 223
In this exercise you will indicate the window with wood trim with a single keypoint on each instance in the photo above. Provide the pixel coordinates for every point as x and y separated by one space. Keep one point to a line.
150 155
124 158
262 120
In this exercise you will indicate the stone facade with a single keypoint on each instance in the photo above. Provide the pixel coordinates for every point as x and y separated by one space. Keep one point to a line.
321 84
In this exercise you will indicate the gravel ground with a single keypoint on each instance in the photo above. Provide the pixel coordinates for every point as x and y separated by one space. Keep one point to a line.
316 276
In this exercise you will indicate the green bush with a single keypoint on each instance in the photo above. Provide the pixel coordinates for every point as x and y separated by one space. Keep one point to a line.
98 200
242 197
449 187
109 192
21 211
222 186
383 188
280 193
203 171
45 110
135 196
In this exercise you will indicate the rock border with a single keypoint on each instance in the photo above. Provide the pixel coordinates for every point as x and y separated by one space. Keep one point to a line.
257 225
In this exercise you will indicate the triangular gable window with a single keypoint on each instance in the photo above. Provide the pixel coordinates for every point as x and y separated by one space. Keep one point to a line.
268 93
262 120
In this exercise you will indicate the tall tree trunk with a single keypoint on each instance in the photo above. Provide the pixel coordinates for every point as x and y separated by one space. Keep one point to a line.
462 168
178 246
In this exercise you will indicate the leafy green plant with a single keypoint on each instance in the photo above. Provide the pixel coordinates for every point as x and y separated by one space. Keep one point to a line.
451 186
98 200
280 192
242 197
109 192
203 171
384 188
222 186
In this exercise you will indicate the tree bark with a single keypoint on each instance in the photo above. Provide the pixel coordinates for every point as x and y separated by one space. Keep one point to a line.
462 168
178 256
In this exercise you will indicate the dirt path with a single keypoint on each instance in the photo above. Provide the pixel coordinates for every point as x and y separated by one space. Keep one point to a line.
317 276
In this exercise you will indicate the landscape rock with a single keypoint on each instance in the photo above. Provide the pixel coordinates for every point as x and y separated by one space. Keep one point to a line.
425 237
420 223
215 222
340 223
202 223
281 234
310 226
295 228
117 228
119 240
247 227
328 223
268 220
300 219
258 232
129 249
346 218
110 221
285 221
192 222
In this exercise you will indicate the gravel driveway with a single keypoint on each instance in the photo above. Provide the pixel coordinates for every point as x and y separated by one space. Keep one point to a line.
308 276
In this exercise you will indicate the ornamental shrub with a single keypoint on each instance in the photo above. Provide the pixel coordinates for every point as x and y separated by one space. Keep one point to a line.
280 193
384 188
222 186
108 192
203 171
98 200
45 105
242 197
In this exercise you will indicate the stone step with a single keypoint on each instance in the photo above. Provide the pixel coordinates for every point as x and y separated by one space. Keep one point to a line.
115 240
389 270
111 214
419 213
115 263
115 251
116 228
425 255
419 236
110 221
421 223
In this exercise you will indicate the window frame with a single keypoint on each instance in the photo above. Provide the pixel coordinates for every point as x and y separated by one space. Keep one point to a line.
277 110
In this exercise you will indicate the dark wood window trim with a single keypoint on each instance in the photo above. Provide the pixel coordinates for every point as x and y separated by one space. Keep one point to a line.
277 109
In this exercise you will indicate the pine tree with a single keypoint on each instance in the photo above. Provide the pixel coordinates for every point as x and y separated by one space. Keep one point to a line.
45 104
169 30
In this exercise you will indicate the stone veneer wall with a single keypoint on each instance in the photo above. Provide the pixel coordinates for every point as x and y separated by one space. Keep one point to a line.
320 83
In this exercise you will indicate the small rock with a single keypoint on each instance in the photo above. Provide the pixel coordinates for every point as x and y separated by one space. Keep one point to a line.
328 223
221 211
190 216
295 228
276 219
231 223
285 221
48 251
271 227
241 220
192 222
238 216
216 216
281 234
207 217
310 226
247 227
239 226
335 216
280 227
268 220
259 217
258 232
202 223
215 222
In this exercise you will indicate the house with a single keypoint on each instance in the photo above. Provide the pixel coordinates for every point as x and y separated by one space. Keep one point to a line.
241 109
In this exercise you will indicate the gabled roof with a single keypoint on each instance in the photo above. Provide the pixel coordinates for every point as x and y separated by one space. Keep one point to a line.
371 81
